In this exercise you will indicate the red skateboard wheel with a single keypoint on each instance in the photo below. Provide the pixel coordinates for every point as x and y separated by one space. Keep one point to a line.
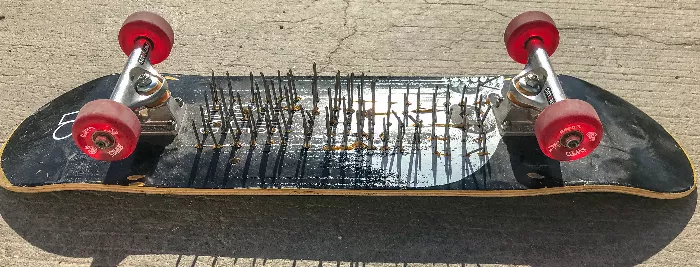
531 24
568 130
106 130
151 26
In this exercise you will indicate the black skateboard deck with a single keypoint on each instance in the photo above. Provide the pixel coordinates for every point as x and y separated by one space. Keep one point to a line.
341 156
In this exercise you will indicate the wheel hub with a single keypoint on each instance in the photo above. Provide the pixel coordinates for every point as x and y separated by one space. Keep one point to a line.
103 140
572 139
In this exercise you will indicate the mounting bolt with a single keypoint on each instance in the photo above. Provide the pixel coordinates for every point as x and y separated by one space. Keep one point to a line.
499 100
179 101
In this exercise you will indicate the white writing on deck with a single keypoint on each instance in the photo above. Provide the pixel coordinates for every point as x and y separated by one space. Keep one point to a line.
66 119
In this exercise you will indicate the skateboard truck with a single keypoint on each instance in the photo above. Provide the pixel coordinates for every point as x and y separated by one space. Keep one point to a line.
141 88
535 103
141 104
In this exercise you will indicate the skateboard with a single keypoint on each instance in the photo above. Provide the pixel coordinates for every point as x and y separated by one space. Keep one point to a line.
533 133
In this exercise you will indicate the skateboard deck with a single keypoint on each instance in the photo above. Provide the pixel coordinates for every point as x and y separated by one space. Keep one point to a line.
230 147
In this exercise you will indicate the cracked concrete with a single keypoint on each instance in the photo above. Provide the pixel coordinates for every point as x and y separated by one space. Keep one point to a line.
481 5
353 31
644 51
607 30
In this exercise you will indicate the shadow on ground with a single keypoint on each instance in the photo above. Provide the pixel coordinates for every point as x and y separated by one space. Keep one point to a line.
571 230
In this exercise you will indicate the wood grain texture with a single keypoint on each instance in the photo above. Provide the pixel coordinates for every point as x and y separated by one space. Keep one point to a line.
644 51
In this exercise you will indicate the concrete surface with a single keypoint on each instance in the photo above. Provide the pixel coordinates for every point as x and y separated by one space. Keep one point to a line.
644 51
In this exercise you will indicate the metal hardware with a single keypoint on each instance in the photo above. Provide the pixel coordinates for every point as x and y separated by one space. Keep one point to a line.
103 140
141 88
161 120
529 92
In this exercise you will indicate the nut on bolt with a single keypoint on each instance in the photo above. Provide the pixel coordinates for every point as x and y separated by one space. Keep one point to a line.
103 140
532 79
146 83
529 84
